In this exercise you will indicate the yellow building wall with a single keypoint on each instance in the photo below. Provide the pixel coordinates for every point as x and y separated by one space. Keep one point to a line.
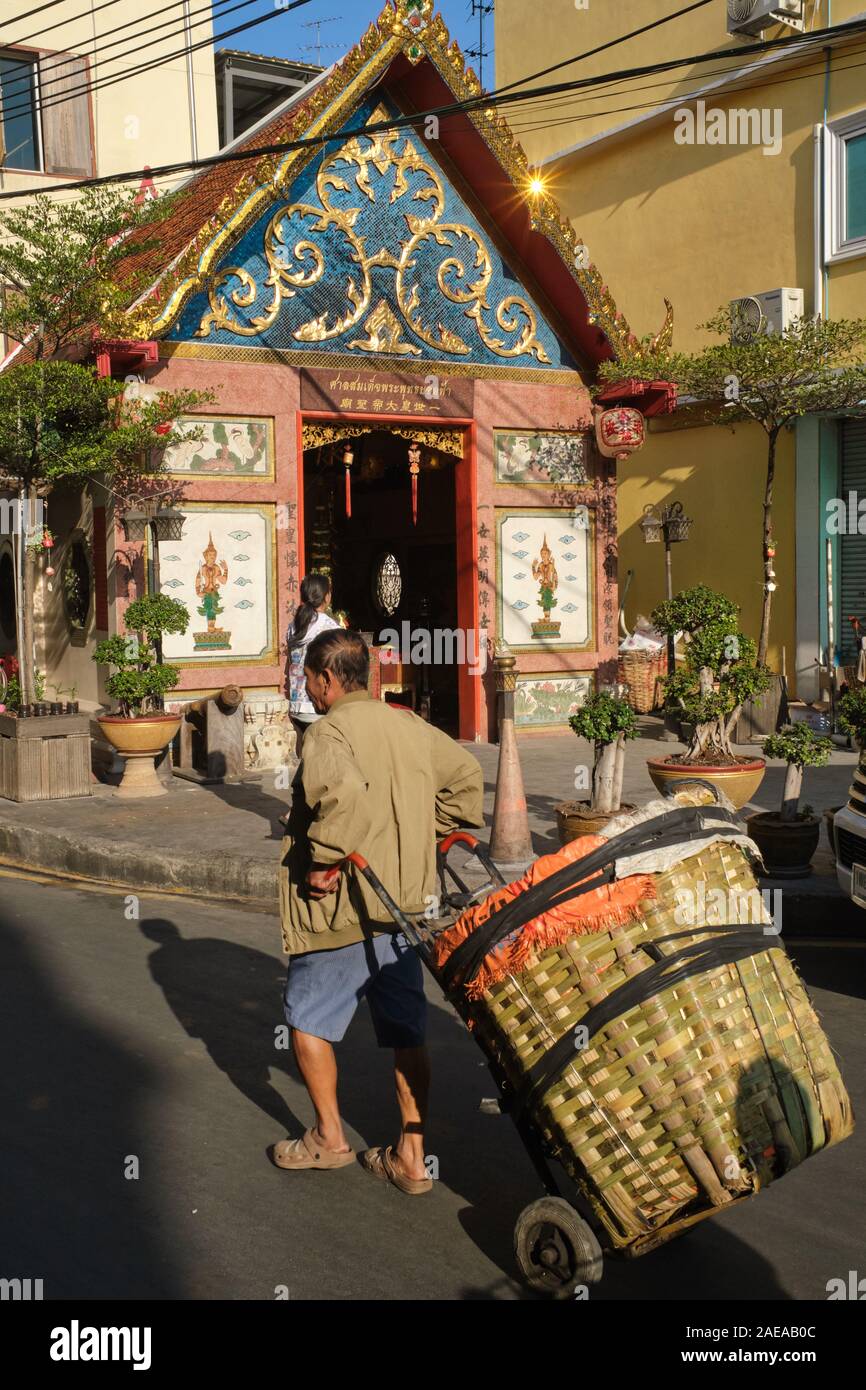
718 476
144 119
700 225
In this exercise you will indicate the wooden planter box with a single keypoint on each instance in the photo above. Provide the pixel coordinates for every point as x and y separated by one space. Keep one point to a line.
46 758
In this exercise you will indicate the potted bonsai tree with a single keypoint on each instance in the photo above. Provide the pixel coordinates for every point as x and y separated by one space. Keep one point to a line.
720 671
141 730
788 838
607 722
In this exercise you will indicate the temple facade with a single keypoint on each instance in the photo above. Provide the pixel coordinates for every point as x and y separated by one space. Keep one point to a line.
398 328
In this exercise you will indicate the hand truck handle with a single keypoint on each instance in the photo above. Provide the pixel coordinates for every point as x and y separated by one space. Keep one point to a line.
406 925
480 851
457 837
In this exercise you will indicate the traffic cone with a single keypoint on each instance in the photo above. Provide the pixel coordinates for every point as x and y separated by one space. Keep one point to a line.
510 839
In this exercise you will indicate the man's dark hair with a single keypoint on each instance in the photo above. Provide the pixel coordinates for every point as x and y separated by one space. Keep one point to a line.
345 654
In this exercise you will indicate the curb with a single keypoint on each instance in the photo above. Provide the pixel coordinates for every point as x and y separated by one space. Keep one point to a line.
255 883
124 864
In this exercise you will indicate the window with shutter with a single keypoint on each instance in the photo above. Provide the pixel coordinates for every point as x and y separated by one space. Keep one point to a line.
66 115
19 142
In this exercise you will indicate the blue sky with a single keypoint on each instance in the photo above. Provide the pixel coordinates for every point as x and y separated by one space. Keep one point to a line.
284 35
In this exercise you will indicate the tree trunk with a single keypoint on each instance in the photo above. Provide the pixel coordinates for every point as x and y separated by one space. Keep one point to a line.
26 664
619 773
791 793
766 542
604 778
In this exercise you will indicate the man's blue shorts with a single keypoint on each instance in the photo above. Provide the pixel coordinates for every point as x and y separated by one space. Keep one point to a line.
324 988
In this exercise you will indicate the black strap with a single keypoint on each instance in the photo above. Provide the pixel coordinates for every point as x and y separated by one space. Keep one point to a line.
685 823
694 959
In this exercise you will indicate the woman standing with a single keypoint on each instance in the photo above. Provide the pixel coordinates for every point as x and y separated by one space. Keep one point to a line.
310 621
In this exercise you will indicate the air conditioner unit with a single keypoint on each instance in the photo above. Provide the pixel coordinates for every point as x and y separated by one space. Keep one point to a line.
772 312
751 16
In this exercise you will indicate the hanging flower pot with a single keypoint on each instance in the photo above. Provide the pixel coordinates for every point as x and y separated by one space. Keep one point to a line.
619 432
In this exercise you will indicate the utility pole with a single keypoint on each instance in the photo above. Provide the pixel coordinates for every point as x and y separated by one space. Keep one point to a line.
481 8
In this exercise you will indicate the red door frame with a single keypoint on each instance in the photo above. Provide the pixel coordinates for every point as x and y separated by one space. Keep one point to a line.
466 508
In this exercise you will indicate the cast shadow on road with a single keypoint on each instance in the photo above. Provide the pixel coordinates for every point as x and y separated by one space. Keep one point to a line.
840 969
229 996
72 1102
254 799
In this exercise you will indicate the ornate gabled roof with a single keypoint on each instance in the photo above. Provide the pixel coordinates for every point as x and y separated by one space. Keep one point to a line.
408 50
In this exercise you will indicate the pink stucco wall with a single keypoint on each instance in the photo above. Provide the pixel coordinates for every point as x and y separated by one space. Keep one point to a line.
266 389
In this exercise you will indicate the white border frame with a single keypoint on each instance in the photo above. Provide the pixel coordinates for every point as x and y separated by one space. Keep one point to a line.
839 132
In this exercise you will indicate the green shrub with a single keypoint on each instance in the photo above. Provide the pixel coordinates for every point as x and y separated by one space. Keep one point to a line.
141 681
720 670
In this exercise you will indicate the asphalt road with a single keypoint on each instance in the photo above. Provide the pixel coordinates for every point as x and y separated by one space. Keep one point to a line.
146 1046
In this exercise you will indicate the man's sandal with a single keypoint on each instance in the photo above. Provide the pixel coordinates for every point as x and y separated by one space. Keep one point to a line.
381 1163
308 1152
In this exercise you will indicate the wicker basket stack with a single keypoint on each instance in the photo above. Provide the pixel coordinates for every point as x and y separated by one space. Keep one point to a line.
697 1081
641 672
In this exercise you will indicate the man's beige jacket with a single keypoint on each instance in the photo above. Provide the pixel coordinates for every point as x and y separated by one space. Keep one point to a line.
383 783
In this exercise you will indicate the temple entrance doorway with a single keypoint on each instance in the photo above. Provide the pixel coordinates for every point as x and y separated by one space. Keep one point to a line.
391 550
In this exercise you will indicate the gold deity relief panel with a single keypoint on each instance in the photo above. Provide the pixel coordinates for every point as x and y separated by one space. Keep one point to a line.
380 206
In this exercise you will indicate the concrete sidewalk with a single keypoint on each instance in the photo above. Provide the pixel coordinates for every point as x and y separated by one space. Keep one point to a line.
224 842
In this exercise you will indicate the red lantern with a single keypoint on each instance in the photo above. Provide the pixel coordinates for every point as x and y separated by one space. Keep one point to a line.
414 470
619 432
348 460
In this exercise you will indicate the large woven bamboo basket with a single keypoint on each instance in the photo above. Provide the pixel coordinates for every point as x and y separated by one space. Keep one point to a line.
690 1101
641 672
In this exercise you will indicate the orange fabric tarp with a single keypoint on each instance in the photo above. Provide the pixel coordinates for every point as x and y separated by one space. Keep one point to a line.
596 910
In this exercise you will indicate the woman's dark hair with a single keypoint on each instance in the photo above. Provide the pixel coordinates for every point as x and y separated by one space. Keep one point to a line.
345 654
314 591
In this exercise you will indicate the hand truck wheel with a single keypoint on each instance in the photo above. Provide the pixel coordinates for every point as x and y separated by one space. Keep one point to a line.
556 1250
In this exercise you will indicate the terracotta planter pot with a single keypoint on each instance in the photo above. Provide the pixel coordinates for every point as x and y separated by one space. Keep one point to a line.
786 846
739 782
576 818
140 741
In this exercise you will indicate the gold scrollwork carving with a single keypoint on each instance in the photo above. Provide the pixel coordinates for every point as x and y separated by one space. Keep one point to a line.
463 277
316 434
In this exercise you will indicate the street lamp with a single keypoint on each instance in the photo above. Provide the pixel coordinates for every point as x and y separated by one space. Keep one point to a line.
671 525
158 524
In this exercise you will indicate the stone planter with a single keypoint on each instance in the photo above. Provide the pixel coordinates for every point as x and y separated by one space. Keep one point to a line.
739 782
44 758
786 846
269 739
576 818
140 741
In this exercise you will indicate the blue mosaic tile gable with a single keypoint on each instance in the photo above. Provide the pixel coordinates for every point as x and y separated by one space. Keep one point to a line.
373 253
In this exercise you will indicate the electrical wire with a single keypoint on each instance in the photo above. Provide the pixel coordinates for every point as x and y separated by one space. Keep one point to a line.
100 83
74 19
483 100
748 83
612 43
100 49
